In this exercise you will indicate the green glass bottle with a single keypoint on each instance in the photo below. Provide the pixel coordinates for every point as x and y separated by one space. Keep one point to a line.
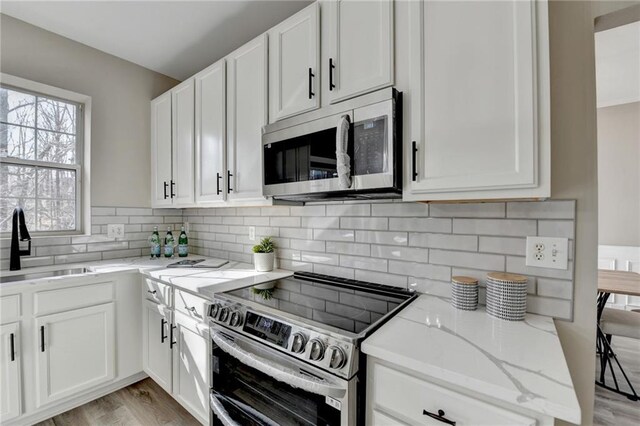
168 244
154 242
183 244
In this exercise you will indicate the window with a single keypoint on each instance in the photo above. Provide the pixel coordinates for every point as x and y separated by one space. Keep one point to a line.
41 160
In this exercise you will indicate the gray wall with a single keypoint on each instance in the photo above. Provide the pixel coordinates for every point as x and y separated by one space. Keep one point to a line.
120 91
619 175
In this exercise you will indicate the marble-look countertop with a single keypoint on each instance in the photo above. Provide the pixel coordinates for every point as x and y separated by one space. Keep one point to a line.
520 363
202 281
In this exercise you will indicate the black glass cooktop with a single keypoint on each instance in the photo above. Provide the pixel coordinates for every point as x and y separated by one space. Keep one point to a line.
349 305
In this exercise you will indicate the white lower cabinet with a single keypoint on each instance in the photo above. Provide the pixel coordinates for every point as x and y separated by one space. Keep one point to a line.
10 380
75 351
156 343
398 397
190 366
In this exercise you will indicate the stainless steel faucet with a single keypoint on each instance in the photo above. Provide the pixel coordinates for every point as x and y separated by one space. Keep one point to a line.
18 224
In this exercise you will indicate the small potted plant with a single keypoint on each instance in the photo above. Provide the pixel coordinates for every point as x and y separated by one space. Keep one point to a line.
263 255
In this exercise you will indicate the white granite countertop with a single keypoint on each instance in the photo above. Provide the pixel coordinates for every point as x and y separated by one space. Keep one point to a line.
203 281
520 363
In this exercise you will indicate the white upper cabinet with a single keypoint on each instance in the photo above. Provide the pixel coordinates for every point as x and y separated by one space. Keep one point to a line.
210 172
246 114
161 150
358 57
294 55
182 185
479 101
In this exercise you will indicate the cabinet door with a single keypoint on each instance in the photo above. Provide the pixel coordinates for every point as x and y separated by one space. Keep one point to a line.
161 150
294 54
183 114
156 343
190 366
10 381
76 351
210 133
360 47
475 121
246 114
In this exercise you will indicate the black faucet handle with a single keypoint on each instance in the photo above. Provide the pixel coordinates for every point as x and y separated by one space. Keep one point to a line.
26 252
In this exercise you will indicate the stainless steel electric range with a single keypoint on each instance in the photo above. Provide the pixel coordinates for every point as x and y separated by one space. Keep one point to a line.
291 355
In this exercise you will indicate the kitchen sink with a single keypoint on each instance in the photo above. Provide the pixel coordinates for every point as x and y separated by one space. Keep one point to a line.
44 274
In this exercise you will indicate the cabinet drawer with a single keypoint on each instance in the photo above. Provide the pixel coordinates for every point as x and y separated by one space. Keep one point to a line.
418 397
157 292
64 299
193 306
378 418
9 308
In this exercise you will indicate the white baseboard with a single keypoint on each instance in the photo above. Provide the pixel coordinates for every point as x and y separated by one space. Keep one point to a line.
69 404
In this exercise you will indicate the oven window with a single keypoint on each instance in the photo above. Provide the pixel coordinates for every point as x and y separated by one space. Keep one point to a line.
370 146
250 396
303 158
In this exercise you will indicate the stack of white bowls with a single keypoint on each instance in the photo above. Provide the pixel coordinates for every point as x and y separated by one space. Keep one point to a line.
464 293
506 296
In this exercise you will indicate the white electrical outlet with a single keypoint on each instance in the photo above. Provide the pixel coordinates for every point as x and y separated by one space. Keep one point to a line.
547 252
115 230
252 233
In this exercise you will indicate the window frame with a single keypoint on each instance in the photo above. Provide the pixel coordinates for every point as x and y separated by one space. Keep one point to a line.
83 151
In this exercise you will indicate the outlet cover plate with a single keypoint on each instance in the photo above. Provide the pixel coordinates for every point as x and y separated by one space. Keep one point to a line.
548 252
115 230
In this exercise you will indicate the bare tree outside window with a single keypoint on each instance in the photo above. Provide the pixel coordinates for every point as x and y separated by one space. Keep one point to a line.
40 147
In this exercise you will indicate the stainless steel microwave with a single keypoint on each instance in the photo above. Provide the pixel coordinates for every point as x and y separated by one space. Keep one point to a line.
351 150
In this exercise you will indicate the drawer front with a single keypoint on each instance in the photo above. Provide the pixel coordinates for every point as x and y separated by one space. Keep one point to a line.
9 308
419 398
65 299
191 305
157 292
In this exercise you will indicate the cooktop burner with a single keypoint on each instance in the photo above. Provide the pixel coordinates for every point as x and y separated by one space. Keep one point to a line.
349 305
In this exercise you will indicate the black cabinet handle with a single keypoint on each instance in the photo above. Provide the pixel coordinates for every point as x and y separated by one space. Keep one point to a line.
173 185
152 292
414 160
42 338
12 343
332 66
218 190
163 336
440 417
166 185
171 342
229 176
311 75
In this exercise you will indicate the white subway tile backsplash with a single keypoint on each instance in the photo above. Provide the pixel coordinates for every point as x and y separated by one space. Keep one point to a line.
444 241
379 237
410 245
502 227
468 210
349 210
400 209
490 262
503 245
400 253
420 224
556 228
547 210
372 223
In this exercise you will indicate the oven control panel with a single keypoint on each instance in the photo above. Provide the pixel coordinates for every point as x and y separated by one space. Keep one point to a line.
317 348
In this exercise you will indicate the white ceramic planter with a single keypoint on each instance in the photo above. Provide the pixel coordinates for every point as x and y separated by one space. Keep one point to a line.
263 262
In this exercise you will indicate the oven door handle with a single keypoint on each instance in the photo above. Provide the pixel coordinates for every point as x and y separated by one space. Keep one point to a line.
278 372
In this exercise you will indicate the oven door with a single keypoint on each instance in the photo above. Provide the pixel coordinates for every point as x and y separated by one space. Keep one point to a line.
255 385
301 159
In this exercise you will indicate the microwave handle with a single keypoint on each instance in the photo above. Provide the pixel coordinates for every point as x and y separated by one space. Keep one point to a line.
278 372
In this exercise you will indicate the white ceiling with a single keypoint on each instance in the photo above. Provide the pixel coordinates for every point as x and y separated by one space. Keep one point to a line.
618 65
175 38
